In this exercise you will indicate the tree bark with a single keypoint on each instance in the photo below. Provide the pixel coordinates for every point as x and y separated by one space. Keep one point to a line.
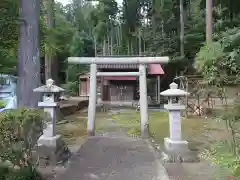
51 64
209 28
111 42
29 54
104 47
95 46
117 40
108 45
181 28
139 42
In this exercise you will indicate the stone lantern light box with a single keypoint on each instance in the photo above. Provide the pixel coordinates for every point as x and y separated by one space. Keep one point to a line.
49 91
174 142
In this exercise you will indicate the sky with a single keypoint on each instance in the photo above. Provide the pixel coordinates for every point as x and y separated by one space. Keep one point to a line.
64 2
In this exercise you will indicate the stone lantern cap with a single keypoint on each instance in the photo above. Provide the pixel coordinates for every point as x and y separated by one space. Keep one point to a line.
174 91
49 87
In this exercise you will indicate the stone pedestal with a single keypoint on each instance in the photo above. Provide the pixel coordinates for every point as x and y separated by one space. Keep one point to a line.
178 151
52 151
175 145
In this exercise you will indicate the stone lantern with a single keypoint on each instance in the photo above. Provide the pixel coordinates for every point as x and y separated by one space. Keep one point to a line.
50 105
174 143
50 143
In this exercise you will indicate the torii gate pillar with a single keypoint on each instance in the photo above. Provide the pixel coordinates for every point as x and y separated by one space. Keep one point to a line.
92 100
143 100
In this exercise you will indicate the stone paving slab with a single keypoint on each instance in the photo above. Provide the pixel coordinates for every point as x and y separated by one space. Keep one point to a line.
108 158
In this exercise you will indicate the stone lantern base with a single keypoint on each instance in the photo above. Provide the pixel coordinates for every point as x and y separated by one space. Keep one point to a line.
52 151
178 146
177 151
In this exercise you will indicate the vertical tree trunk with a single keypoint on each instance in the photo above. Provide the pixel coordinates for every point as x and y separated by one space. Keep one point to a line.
144 47
95 46
209 28
111 42
120 33
181 28
51 64
29 54
140 42
117 40
108 45
104 47
128 46
131 50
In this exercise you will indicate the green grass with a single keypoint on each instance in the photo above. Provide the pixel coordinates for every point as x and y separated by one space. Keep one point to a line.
158 124
193 128
3 103
75 130
198 131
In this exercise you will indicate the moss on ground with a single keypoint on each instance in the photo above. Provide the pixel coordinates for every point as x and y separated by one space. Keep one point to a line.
75 130
198 131
3 103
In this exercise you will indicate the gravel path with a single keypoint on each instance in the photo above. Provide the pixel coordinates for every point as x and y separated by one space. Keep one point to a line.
109 158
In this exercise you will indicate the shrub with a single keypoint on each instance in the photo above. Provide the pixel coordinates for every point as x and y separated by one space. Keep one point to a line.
71 88
19 132
225 154
226 162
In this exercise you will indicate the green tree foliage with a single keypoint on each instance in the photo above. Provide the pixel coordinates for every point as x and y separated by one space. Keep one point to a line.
219 62
9 35
81 45
113 29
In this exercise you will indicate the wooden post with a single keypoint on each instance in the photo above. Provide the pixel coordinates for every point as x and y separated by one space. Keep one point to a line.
156 89
143 100
159 88
92 100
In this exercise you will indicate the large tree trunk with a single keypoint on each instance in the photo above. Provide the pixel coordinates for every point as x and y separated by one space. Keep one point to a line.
29 54
209 28
51 64
181 28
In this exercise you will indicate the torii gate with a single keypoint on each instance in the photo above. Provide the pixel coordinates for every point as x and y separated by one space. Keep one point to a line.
141 61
